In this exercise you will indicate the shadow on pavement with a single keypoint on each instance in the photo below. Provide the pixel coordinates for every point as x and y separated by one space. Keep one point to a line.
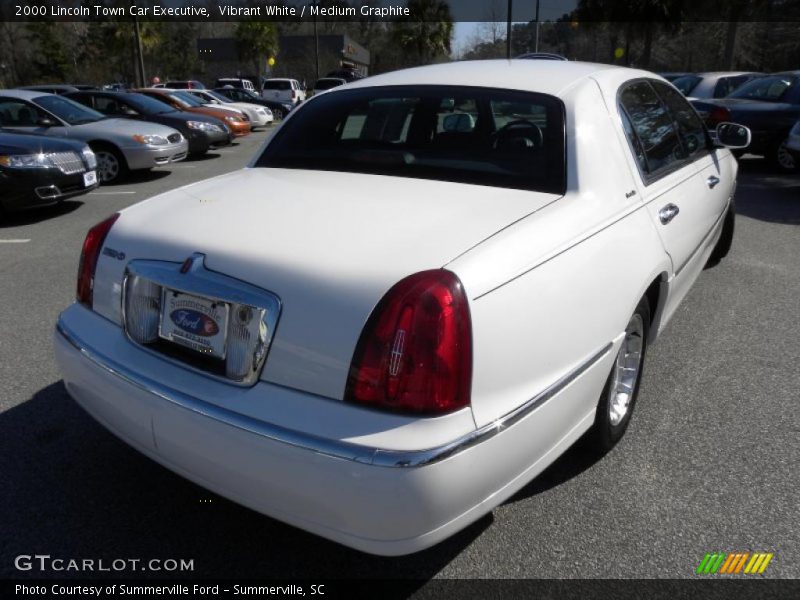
73 490
763 193
38 213
572 463
210 155
139 176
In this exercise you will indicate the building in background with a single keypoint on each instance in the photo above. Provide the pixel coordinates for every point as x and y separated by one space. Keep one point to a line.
296 58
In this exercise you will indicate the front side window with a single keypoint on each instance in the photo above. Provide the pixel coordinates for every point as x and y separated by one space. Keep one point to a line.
691 130
471 135
653 127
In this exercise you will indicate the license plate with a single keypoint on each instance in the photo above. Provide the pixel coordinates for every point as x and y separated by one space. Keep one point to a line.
194 322
89 178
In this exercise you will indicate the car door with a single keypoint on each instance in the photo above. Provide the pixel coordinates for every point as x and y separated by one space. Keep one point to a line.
715 165
672 189
21 115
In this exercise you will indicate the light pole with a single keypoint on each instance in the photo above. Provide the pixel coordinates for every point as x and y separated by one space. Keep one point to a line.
316 46
508 29
138 49
536 37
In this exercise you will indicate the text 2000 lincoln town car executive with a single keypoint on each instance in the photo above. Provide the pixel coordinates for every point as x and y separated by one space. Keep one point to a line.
422 291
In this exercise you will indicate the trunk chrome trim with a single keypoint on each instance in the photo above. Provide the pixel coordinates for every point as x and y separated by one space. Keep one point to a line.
192 277
379 457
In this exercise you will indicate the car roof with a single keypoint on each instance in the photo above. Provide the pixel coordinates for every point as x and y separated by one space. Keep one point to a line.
543 76
49 86
724 73
24 94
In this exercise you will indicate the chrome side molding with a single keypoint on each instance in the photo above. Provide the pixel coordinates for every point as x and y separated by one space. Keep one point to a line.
379 457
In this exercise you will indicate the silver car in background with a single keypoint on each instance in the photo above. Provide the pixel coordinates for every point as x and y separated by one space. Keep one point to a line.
120 144
712 84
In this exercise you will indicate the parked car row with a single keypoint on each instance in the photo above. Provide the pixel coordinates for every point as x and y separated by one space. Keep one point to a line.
712 84
770 106
57 145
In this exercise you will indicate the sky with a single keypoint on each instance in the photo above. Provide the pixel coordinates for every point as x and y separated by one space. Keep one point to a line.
549 10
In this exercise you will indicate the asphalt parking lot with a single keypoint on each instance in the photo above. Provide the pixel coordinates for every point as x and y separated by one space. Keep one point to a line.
711 461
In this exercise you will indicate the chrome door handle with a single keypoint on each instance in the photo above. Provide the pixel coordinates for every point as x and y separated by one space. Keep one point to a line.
668 213
712 181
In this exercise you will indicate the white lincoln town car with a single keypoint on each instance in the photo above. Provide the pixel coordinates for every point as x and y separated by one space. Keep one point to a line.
425 288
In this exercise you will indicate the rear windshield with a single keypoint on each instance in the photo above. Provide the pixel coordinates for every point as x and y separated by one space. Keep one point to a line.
69 110
772 88
277 85
686 83
471 135
146 105
186 98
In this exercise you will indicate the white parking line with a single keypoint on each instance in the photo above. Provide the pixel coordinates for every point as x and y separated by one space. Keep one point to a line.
14 241
108 193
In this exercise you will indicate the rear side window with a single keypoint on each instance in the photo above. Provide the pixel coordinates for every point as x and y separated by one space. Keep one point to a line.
277 85
18 113
691 130
652 125
482 136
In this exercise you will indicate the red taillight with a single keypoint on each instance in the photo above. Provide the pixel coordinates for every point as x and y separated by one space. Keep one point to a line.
294 94
91 250
719 114
415 352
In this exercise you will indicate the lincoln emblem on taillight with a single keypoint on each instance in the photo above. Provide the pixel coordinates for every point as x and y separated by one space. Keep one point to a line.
397 352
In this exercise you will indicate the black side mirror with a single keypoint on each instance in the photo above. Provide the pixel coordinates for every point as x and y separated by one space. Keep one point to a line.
733 135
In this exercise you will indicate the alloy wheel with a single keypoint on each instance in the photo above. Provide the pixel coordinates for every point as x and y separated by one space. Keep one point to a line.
627 369
107 166
784 157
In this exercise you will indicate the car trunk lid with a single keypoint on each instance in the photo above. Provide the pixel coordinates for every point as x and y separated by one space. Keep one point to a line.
328 244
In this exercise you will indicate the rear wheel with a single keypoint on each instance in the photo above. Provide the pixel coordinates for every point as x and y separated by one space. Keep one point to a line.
278 113
622 386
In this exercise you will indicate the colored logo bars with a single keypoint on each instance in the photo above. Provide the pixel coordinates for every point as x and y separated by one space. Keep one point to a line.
734 563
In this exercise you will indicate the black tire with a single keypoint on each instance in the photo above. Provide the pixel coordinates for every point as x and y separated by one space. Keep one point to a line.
782 159
725 240
609 424
278 114
111 164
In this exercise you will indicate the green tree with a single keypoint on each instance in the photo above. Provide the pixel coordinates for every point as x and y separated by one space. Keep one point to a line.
256 41
425 35
52 58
